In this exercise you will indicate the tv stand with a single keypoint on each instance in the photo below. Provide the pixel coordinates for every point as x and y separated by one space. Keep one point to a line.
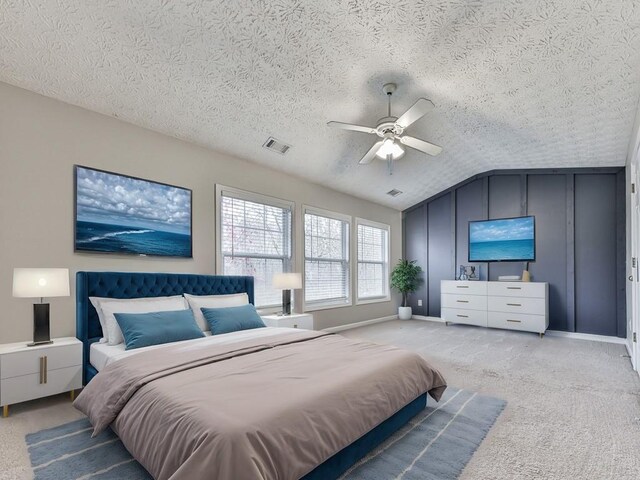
520 306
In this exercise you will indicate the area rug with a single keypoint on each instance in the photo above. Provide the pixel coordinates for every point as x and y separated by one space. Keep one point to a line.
436 444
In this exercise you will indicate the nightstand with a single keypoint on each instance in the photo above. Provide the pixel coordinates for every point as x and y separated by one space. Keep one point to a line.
295 320
27 373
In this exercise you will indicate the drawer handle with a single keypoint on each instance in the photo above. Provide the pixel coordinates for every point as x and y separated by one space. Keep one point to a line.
45 369
462 301
514 321
514 288
514 304
462 286
462 316
41 370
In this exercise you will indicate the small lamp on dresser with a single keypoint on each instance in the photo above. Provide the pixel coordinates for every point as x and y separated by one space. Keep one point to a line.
287 282
40 283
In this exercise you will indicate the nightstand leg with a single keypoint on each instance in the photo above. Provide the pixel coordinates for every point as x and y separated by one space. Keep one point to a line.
5 411
72 394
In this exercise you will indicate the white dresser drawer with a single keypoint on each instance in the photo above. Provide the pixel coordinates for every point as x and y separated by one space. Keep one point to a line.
463 287
468 302
25 362
28 387
518 289
517 321
468 317
526 305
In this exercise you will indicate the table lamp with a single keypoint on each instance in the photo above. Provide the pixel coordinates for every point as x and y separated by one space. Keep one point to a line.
287 282
40 283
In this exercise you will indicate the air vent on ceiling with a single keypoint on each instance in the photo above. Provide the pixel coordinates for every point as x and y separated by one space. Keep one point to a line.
276 146
394 192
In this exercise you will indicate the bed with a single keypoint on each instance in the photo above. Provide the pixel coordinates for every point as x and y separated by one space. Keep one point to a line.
306 433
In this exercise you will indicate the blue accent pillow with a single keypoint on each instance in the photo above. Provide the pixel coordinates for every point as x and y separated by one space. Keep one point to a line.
232 319
144 329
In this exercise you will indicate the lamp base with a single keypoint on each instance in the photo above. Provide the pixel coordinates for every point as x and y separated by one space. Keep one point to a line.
286 302
35 344
41 333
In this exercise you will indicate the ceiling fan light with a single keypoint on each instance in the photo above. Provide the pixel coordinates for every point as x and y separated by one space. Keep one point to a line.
390 147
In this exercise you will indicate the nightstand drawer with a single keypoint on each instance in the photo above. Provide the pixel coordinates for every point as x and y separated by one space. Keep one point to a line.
26 362
27 387
304 321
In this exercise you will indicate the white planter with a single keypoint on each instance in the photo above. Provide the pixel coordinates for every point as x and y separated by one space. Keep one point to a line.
404 313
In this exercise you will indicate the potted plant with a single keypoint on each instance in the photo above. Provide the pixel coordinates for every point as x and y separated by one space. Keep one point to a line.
405 278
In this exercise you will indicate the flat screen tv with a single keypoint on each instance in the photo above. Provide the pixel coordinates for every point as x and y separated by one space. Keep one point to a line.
121 214
502 240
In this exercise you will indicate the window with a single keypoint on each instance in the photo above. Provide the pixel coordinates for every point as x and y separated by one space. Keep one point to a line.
373 261
254 238
326 259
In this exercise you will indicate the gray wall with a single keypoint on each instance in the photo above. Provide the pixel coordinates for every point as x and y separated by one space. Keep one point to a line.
41 139
580 240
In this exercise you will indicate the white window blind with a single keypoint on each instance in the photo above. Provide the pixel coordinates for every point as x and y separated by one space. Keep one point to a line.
326 252
373 261
255 240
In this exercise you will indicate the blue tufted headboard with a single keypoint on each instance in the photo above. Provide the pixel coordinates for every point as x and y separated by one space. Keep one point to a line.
136 285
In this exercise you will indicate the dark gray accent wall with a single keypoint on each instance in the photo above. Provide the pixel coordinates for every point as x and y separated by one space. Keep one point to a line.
580 247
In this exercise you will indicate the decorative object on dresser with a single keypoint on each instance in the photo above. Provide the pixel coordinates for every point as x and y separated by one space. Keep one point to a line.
40 283
121 214
27 373
405 278
469 272
294 320
287 282
511 305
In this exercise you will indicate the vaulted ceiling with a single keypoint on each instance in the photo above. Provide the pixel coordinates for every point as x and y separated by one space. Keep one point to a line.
516 83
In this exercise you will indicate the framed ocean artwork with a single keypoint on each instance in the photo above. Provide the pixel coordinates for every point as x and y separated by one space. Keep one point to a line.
127 215
502 240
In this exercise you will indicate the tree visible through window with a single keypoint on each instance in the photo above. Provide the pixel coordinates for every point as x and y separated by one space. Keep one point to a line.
256 241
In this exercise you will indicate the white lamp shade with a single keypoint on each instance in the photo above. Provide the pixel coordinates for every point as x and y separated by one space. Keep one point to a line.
40 282
287 281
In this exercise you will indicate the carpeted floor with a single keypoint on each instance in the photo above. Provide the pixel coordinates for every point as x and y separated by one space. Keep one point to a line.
573 408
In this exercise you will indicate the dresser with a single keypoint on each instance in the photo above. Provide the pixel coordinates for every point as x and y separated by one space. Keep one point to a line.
510 305
27 373
295 320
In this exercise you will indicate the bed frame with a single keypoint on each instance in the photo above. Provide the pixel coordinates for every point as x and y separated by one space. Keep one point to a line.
136 285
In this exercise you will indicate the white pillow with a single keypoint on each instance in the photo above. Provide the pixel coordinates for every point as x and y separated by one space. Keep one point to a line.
97 301
196 302
140 305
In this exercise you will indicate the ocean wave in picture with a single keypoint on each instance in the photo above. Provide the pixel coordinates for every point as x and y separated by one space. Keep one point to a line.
114 234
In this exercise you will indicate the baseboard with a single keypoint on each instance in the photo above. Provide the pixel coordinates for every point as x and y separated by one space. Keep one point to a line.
587 336
629 348
349 326
427 319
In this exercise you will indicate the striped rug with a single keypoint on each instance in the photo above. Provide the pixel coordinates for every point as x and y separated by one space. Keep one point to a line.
436 444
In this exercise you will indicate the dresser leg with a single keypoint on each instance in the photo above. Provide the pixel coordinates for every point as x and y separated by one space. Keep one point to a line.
72 394
541 334
5 411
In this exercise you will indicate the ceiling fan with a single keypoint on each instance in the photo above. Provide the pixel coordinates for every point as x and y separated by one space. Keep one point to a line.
391 131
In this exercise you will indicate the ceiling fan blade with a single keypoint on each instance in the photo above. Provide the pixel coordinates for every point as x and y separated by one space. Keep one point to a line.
421 145
350 126
371 154
416 112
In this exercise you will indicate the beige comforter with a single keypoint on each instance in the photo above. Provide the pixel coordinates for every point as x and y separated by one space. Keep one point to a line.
262 408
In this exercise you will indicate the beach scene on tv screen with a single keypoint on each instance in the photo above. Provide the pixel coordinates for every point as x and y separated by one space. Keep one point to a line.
118 214
507 239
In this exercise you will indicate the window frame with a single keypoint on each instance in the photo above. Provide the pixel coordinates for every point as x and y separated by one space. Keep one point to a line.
327 304
386 265
223 190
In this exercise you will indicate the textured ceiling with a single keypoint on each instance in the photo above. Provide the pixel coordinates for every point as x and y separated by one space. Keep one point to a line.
516 83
